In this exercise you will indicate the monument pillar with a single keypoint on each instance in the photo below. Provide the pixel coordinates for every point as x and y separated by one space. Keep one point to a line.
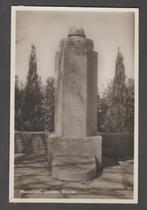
75 109
76 87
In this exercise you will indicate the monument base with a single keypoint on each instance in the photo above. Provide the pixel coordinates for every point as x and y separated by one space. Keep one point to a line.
74 168
74 159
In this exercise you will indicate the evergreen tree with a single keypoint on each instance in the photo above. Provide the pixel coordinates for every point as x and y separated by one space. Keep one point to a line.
19 94
119 86
116 115
102 107
33 97
49 104
130 105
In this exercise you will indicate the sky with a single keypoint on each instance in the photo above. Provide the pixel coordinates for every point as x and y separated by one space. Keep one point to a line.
45 29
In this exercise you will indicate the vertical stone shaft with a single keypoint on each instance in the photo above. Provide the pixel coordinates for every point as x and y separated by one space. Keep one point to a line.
76 87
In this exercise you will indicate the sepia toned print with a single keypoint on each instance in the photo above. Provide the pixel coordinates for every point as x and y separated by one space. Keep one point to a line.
74 105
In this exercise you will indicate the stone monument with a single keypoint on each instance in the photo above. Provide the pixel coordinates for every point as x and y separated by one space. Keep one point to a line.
75 151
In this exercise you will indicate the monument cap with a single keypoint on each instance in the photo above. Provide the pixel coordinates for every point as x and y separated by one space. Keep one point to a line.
76 31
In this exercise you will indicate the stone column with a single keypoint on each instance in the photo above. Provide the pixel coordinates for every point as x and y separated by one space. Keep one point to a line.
76 87
76 105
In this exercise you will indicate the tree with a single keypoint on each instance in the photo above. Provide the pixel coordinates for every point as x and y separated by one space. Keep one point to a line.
130 105
33 97
49 104
102 107
119 86
118 98
19 94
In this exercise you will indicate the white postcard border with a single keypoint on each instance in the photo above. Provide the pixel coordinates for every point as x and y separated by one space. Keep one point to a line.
12 105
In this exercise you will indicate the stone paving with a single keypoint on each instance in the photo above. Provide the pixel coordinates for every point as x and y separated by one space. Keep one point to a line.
33 180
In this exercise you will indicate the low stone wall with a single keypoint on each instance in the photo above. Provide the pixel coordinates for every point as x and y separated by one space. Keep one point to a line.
31 142
118 145
115 145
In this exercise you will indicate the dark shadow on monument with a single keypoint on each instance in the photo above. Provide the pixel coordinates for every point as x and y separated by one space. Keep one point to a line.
99 168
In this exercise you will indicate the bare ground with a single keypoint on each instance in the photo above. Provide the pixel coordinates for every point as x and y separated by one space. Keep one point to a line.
32 179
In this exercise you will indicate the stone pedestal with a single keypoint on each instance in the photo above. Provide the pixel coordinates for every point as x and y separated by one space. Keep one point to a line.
79 156
74 168
76 137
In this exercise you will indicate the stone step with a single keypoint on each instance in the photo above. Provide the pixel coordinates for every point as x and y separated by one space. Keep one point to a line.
74 168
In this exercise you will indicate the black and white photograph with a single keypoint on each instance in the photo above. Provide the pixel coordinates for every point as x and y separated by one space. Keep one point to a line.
74 105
